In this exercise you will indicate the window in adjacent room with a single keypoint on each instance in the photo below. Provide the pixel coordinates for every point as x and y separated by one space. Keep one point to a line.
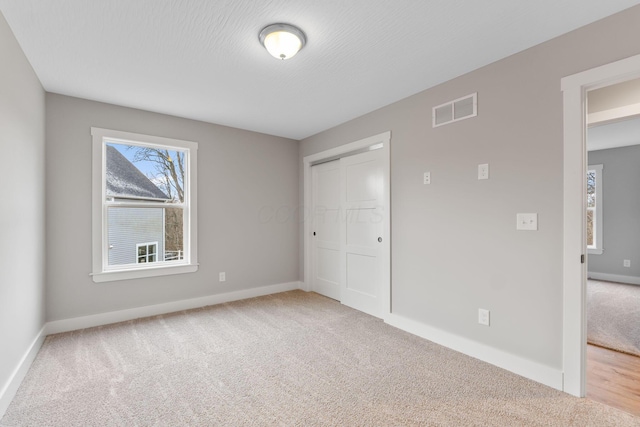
144 205
594 209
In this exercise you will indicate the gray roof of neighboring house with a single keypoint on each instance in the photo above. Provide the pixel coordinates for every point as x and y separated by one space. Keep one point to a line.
124 180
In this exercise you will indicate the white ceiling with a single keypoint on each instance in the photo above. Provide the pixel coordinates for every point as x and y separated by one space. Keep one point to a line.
201 59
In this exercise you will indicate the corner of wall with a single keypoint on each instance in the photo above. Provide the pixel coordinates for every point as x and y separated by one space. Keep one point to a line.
9 389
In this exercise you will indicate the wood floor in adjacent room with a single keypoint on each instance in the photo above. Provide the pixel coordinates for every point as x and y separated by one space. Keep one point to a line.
613 378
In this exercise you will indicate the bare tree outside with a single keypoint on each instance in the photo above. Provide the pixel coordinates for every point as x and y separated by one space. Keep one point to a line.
169 166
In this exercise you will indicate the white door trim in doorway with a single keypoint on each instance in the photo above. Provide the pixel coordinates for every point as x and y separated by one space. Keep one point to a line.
383 139
574 90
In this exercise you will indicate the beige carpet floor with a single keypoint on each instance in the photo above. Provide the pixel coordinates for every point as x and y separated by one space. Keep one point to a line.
291 359
613 316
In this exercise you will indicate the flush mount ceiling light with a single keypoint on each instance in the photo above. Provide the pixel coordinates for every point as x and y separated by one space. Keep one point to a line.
282 41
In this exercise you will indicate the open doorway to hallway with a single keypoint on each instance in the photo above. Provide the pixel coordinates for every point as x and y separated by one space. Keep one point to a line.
613 245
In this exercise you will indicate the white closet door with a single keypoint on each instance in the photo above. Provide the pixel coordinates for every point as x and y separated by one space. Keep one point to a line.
326 229
361 233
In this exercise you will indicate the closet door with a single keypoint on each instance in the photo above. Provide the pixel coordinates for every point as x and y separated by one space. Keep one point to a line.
326 229
361 231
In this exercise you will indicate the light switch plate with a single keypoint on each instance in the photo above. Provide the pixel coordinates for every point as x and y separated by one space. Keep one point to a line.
483 171
527 221
427 178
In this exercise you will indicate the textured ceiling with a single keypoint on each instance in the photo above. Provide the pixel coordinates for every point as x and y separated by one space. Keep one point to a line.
201 59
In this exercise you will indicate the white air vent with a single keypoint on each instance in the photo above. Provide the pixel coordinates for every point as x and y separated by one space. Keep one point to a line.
458 109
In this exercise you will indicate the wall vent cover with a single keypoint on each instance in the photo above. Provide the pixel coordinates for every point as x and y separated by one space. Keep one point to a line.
453 111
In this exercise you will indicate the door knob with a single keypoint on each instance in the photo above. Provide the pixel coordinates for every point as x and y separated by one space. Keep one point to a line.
380 239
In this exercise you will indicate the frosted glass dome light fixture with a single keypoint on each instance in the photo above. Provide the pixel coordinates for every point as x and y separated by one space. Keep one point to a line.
282 41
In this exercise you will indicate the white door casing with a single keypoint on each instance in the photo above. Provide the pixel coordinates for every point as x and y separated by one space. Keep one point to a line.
574 90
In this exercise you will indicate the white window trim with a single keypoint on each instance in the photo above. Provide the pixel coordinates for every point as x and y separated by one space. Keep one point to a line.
100 251
597 249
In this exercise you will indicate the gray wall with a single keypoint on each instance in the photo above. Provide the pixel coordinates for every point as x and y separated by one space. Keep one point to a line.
620 211
241 176
22 198
454 244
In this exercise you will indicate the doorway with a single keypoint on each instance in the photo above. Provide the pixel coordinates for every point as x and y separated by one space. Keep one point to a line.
575 89
613 245
347 251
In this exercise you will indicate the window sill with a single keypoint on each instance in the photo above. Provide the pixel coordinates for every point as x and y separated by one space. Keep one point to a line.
167 270
594 251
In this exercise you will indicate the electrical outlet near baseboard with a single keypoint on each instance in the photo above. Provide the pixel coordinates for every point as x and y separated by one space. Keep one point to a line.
483 316
223 276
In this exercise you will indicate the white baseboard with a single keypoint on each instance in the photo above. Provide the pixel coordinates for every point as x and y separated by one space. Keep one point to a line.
83 322
632 280
516 364
10 388
305 286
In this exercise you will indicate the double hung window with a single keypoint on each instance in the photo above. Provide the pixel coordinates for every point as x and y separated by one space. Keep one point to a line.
144 205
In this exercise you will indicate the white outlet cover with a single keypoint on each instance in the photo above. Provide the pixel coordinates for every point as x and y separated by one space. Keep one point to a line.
483 316
626 263
427 178
527 221
483 171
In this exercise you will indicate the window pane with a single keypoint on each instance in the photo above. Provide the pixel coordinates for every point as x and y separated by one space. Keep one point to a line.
143 173
591 189
173 240
590 227
129 227
130 231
